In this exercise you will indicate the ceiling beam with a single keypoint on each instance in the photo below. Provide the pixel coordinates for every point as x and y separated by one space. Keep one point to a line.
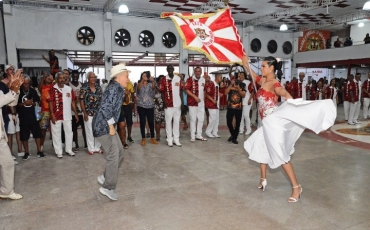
344 19
137 58
110 5
211 6
311 5
55 5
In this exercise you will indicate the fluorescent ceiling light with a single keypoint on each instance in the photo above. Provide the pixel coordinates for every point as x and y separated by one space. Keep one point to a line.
123 9
361 24
366 6
283 27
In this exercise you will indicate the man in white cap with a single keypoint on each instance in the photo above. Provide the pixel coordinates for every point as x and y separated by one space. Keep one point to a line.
103 125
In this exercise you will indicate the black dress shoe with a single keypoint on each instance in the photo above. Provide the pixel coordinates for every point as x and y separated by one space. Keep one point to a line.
235 141
230 139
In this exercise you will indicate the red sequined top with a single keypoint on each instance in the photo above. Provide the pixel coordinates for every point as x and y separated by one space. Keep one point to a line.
267 101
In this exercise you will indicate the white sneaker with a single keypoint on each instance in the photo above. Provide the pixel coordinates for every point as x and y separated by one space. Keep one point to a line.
177 143
248 132
241 132
21 154
210 135
12 196
101 179
15 162
351 123
357 122
109 193
60 156
216 135
70 153
170 143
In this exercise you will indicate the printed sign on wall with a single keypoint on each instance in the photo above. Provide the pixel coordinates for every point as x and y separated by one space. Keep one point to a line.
313 40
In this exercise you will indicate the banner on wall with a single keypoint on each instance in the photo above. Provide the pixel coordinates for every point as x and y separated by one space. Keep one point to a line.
313 40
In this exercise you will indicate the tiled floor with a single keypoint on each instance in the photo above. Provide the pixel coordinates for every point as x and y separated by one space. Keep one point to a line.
202 185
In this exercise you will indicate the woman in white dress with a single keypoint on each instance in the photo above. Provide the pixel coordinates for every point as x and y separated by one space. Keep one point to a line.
273 143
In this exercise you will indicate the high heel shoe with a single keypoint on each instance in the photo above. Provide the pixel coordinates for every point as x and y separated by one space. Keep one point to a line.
263 184
294 200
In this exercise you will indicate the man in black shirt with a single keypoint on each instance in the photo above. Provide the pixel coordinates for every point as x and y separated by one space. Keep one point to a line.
27 118
236 92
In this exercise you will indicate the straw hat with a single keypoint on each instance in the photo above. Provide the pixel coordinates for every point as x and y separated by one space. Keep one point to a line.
121 67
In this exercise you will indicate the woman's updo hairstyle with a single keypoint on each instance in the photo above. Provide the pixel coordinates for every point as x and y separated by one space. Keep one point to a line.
271 61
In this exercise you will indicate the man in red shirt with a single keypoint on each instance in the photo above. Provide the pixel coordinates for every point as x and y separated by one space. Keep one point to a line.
358 105
351 95
212 103
61 99
300 87
195 89
366 97
170 87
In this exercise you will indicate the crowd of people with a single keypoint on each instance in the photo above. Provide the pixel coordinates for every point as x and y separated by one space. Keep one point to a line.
61 104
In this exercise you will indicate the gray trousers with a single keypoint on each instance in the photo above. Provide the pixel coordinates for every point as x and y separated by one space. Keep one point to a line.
6 169
113 151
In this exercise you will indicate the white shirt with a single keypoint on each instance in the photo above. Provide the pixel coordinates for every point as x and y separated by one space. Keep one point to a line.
176 81
359 89
67 101
201 84
247 93
76 90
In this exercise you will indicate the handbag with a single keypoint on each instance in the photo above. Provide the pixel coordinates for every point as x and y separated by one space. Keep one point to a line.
37 111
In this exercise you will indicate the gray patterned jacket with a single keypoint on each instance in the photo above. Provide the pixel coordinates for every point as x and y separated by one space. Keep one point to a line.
109 109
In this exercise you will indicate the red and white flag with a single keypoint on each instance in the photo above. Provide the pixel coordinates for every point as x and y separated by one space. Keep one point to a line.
213 34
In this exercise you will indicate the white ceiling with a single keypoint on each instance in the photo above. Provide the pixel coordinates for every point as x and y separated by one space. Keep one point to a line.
243 10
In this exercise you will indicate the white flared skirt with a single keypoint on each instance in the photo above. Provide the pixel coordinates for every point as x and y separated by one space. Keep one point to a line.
273 143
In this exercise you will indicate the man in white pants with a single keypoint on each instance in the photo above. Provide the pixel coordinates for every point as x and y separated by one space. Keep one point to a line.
347 97
212 103
194 87
170 87
366 97
61 100
90 96
353 91
247 104
358 105
6 159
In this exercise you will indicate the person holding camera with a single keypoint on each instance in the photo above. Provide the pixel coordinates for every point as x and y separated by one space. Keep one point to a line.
236 91
145 105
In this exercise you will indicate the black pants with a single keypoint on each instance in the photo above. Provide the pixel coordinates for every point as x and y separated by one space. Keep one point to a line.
144 115
229 120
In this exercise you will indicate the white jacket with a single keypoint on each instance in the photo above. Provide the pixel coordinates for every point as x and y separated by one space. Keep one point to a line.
10 99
